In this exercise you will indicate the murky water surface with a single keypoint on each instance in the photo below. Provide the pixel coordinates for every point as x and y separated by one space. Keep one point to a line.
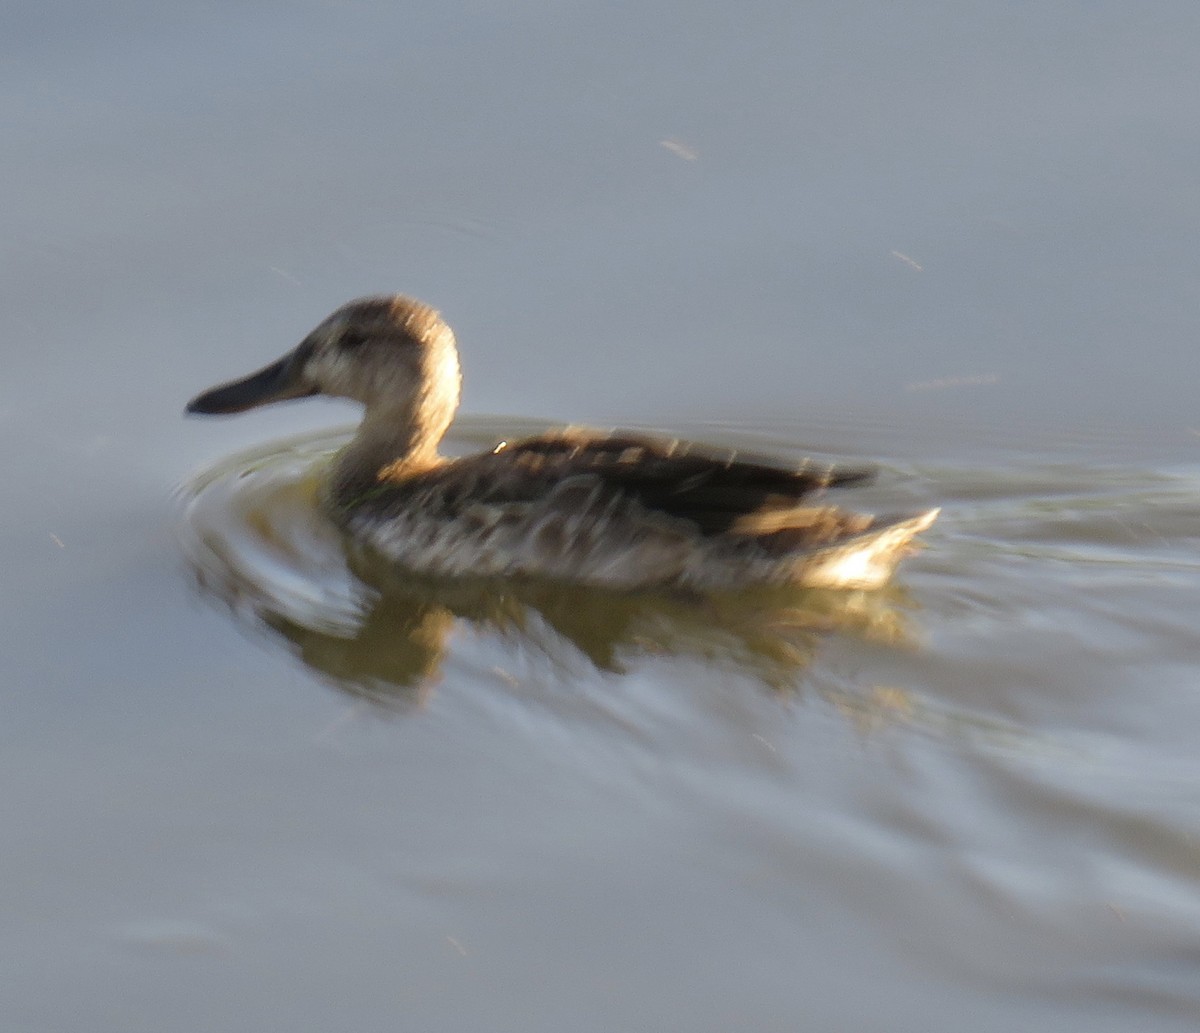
255 783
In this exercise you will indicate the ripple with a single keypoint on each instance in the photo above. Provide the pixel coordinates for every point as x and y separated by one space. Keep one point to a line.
254 536
257 542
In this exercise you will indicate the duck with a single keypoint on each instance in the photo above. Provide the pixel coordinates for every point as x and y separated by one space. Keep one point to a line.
617 509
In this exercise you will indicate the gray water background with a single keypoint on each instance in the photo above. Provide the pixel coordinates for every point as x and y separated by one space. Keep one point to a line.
958 240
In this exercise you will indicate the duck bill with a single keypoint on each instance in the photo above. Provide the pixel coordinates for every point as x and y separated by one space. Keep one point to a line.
274 383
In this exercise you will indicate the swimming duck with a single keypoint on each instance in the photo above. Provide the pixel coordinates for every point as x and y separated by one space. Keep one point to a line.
620 510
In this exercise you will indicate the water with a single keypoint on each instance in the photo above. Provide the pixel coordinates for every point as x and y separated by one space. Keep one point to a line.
957 244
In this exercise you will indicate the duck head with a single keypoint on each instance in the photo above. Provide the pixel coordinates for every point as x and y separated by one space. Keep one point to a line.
389 352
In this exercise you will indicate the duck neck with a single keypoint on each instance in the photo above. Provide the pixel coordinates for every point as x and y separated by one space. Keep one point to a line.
401 430
390 445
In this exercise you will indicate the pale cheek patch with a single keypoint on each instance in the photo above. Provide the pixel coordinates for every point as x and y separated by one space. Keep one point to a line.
338 373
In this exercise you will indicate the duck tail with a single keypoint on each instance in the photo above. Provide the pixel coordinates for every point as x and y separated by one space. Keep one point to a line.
866 559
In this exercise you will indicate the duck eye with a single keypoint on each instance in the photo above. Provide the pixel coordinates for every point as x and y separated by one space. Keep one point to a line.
352 338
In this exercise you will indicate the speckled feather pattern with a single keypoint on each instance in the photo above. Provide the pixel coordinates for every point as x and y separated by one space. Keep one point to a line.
618 510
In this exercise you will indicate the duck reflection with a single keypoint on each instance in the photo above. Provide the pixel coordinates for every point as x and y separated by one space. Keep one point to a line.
257 541
393 656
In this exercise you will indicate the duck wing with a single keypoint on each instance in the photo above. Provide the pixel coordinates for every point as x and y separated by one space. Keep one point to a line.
716 491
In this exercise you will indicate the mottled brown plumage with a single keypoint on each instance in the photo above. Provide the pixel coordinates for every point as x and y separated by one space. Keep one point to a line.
715 492
617 509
